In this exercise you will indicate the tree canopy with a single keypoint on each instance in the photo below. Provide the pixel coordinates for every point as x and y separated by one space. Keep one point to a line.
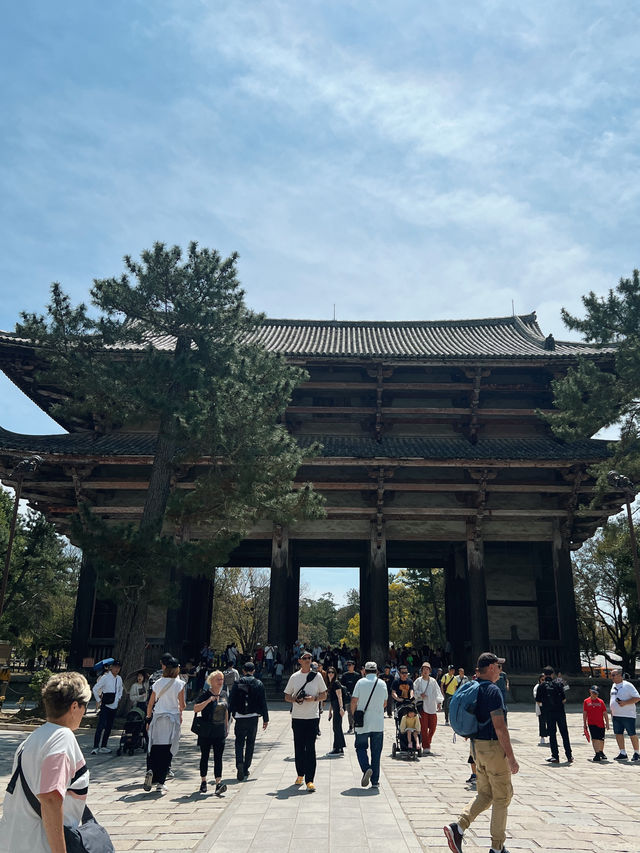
43 577
606 599
592 396
167 347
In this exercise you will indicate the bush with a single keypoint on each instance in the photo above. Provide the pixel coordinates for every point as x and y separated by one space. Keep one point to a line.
38 681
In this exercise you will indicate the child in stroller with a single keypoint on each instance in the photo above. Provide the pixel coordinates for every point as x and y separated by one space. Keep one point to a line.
134 735
408 743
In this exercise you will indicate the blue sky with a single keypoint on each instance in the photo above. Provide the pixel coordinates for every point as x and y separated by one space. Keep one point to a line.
410 160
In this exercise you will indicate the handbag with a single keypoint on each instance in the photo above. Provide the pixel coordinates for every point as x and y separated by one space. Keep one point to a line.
358 715
88 837
208 728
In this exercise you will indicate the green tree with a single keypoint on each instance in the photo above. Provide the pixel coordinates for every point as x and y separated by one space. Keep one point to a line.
319 618
596 395
43 578
606 595
168 347
240 608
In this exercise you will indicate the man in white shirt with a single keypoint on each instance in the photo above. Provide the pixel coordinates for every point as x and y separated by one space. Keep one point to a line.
108 692
305 690
622 704
427 691
370 696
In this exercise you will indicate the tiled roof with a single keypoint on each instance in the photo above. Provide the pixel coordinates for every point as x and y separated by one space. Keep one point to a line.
489 338
498 337
359 447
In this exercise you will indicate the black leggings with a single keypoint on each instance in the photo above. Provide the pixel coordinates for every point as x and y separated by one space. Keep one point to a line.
205 749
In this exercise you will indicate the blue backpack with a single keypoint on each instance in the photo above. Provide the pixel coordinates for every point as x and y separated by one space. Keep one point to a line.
462 709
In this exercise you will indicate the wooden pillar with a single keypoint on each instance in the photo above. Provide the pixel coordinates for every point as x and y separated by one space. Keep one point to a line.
374 601
477 593
457 608
82 615
284 591
565 602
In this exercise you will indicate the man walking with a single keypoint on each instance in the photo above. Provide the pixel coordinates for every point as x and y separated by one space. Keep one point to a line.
428 695
370 696
349 679
305 690
494 758
622 704
108 692
551 698
246 703
448 685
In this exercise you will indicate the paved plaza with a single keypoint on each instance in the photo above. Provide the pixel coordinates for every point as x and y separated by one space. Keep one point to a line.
582 807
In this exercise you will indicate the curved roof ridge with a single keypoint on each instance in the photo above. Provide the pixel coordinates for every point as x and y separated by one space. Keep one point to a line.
527 320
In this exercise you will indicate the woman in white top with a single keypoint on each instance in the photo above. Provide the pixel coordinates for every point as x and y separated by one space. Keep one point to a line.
542 726
55 771
138 691
165 708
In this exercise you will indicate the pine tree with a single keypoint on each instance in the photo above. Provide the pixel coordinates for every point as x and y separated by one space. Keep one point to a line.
170 346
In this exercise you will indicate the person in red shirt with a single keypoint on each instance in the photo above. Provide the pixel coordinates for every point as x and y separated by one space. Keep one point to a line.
596 719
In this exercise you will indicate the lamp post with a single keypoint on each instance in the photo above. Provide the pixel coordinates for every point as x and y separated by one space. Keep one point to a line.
24 467
624 484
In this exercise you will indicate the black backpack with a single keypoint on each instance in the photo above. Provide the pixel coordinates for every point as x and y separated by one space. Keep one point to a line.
243 691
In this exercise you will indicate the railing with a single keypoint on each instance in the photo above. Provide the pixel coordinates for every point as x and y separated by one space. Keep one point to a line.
528 655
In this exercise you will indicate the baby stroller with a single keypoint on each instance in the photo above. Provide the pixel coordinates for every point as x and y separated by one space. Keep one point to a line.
400 749
134 735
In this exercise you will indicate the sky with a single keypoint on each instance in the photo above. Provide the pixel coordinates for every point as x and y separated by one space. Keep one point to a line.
414 160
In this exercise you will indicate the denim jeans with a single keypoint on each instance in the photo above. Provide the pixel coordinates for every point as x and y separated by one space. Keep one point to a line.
362 743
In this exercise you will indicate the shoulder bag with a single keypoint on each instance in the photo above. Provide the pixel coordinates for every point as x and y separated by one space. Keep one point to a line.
358 715
88 837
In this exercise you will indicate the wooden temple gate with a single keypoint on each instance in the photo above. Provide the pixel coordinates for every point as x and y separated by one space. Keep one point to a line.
434 454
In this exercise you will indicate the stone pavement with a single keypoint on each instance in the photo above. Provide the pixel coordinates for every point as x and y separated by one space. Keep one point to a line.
582 807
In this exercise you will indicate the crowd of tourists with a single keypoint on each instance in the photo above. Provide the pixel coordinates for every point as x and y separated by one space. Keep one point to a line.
50 763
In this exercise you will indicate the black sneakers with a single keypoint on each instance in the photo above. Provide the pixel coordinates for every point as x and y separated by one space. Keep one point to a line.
454 837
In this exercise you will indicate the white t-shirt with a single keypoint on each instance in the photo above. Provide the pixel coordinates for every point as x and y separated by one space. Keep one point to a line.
624 690
168 702
108 683
51 758
374 715
305 710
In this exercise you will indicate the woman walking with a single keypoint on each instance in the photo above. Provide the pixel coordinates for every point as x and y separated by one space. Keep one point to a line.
336 710
164 711
213 704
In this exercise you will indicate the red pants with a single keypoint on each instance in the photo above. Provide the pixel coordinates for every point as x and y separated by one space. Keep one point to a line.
428 723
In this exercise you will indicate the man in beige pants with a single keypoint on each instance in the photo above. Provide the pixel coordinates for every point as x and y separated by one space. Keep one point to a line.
494 759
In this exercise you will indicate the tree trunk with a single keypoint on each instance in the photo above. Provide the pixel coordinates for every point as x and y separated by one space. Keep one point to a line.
131 620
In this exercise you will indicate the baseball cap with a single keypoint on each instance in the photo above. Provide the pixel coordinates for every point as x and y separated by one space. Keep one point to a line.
487 658
371 666
304 653
451 666
594 689
116 663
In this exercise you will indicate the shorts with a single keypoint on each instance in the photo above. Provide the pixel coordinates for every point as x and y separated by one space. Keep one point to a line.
596 732
622 725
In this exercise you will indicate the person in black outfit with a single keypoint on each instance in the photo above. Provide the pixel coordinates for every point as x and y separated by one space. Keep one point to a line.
388 680
213 704
246 703
349 680
550 696
336 698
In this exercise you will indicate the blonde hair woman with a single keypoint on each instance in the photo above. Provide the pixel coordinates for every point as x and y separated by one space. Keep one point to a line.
54 770
213 704
165 708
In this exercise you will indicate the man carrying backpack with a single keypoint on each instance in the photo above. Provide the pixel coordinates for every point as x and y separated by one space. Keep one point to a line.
246 703
491 747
